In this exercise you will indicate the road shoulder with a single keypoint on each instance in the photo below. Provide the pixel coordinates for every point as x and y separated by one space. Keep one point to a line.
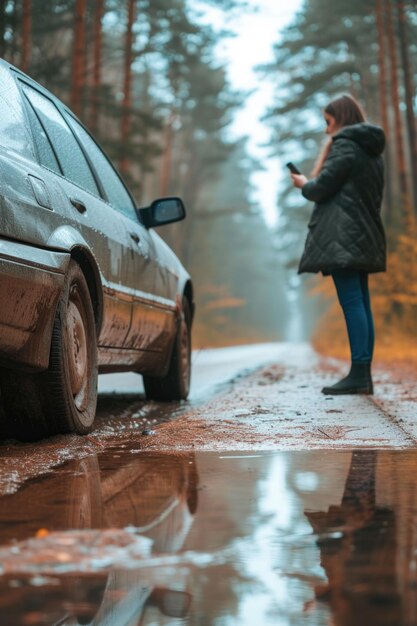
281 407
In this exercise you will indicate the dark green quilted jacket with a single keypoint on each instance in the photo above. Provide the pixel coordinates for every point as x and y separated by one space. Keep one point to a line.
345 229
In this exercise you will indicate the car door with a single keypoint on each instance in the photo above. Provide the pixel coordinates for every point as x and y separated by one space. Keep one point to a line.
153 314
149 313
89 214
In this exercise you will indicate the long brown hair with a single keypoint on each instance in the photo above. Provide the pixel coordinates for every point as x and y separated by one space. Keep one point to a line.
346 111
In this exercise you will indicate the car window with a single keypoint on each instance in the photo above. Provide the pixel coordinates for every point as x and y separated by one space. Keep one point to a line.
13 133
116 192
43 145
73 162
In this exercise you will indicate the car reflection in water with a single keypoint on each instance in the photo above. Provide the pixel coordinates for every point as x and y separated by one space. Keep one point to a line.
156 494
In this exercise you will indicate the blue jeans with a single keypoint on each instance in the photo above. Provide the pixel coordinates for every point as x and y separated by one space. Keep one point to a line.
353 294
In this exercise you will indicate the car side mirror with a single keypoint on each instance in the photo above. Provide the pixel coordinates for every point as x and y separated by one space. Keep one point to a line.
162 211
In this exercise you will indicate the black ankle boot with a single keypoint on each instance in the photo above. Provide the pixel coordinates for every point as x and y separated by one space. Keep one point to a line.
359 380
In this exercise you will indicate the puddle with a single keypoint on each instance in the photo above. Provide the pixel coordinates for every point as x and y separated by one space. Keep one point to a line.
285 538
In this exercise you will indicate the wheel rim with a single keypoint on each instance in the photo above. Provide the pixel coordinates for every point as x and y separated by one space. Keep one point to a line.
77 353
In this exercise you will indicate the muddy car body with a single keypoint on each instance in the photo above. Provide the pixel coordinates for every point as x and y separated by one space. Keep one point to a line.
87 286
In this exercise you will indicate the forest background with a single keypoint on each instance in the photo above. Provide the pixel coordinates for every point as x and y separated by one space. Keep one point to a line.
144 77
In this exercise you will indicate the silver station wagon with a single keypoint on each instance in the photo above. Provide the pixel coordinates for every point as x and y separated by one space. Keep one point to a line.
86 285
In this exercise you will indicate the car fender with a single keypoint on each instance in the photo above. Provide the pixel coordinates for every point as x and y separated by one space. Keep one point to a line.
69 239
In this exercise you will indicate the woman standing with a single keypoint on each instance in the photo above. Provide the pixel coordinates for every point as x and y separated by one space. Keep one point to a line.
346 237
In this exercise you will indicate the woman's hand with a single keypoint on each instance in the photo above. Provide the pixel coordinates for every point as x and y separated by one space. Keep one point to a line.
299 180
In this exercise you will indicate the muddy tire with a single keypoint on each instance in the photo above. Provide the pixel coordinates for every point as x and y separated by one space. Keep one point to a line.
176 384
63 399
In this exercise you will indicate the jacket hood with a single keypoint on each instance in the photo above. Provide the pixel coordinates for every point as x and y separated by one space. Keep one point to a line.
369 137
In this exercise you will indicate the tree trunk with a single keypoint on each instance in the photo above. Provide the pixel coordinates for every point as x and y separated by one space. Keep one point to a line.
167 157
127 85
97 58
146 132
78 58
191 190
382 82
409 94
13 22
3 28
399 140
26 34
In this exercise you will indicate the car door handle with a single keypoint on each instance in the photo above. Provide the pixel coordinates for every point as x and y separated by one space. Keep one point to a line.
80 206
135 237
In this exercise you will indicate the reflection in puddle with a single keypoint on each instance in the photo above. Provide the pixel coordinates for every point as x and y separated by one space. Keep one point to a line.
290 538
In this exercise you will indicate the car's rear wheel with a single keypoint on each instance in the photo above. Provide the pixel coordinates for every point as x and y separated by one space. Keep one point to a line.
63 399
176 384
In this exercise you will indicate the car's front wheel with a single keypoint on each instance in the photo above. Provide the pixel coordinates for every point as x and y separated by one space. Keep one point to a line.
176 384
63 399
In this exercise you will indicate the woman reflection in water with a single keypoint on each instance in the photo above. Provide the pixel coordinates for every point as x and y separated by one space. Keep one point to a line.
359 549
346 237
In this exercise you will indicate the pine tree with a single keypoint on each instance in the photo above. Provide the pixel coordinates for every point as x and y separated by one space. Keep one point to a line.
3 28
127 84
409 93
398 128
26 34
9 29
79 57
97 63
382 84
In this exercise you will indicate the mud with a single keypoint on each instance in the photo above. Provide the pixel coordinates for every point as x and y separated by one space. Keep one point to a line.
121 419
282 407
292 537
275 407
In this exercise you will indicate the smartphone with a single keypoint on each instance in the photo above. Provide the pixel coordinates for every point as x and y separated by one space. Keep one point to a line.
293 169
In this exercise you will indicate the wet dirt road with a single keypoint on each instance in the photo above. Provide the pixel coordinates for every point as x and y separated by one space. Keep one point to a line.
259 501
124 417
